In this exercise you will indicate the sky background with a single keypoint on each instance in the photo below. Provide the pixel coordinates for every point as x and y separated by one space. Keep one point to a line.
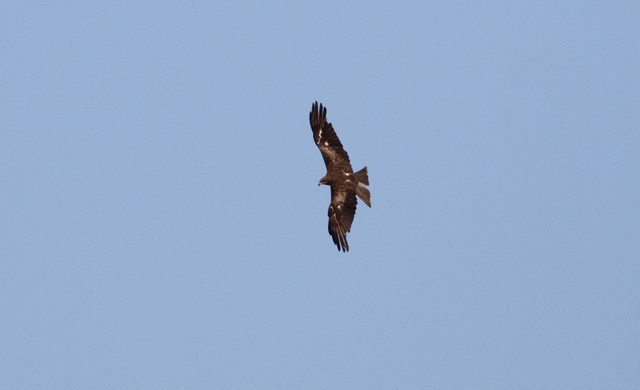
161 224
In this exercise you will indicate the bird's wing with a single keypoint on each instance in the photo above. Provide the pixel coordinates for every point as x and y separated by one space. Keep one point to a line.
327 141
341 212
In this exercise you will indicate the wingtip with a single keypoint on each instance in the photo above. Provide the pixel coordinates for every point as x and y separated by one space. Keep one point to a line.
319 108
317 115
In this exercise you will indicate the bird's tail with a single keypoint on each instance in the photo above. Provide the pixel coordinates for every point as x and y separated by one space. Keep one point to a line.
362 191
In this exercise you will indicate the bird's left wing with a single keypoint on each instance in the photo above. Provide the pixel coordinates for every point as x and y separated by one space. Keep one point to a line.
326 138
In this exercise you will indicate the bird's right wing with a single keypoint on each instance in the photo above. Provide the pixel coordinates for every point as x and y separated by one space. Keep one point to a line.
341 212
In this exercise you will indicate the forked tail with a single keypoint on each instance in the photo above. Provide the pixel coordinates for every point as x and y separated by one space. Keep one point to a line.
362 191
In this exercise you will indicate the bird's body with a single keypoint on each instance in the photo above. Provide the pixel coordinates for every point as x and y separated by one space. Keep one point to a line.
345 184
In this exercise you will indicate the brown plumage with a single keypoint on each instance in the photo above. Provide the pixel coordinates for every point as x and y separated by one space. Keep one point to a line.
345 184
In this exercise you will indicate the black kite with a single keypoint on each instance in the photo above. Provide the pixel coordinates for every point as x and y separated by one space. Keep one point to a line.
345 184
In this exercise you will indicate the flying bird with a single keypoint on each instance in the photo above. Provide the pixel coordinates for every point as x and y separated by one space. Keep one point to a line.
345 184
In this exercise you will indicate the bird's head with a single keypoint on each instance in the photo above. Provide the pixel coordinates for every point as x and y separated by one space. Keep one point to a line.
323 181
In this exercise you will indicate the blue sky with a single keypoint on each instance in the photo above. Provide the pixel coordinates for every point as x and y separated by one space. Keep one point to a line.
162 226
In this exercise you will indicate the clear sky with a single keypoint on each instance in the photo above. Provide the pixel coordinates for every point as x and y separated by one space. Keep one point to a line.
161 224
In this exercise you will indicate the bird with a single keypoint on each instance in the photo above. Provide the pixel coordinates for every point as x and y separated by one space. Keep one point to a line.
345 184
